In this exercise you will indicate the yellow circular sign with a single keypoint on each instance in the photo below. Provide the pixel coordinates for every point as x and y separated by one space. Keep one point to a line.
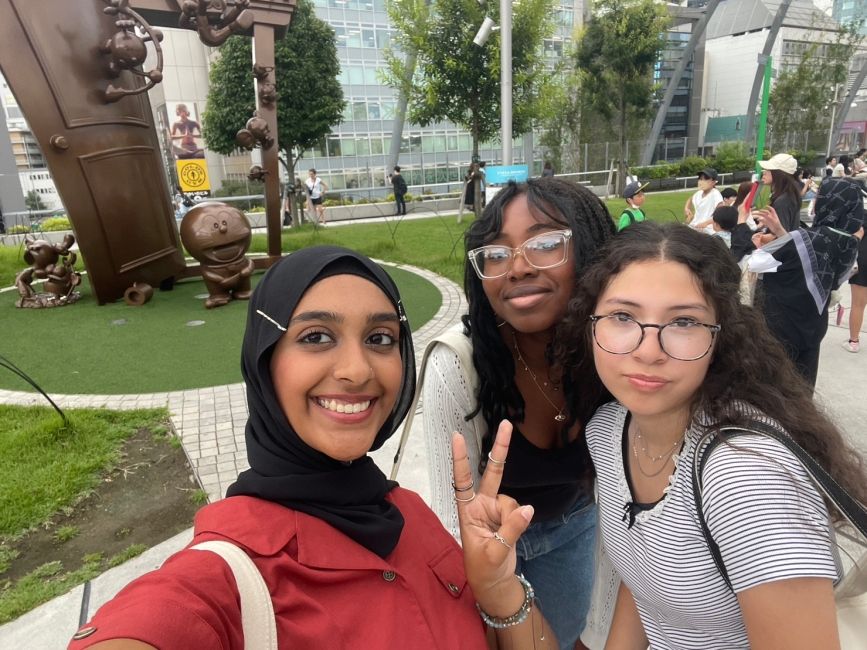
193 175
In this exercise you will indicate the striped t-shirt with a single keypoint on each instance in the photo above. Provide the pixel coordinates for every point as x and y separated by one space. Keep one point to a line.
762 510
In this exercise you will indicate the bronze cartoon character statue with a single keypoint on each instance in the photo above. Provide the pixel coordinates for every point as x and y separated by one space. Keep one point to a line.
55 264
218 236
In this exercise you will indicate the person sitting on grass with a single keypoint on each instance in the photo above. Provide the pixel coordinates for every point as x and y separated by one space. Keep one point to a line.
634 195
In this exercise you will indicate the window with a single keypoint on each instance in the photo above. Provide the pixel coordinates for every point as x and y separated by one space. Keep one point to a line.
359 110
373 111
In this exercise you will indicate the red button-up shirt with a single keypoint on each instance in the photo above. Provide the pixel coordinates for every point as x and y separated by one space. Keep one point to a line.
327 591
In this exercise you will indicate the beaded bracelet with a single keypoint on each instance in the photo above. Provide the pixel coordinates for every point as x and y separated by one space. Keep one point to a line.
518 617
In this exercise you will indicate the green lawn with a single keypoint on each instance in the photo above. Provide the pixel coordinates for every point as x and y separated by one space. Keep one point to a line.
87 348
45 465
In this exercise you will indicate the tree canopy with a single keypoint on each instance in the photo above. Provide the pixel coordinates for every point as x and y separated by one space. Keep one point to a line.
452 79
801 96
309 95
616 54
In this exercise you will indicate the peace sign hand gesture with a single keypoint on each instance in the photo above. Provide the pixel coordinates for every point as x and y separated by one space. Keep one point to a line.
491 524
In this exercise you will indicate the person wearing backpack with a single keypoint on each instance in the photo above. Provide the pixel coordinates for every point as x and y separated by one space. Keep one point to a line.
399 185
634 195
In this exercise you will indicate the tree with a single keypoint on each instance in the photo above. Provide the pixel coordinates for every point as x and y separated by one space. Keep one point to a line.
616 55
458 81
33 201
801 97
309 95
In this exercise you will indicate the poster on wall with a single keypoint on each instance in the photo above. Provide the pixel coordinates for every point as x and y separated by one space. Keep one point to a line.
187 147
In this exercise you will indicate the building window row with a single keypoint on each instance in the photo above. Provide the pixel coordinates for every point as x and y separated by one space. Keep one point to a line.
362 35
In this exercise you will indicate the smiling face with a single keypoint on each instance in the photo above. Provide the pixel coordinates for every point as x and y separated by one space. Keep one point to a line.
529 299
337 370
216 234
647 381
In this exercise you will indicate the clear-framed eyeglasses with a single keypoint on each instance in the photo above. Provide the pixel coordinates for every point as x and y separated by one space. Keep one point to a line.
683 339
543 251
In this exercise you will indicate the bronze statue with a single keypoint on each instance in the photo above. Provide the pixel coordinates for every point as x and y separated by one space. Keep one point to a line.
218 236
55 264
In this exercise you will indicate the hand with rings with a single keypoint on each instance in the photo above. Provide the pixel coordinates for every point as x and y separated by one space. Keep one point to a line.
490 523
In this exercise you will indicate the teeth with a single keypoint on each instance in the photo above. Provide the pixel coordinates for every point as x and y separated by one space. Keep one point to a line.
343 407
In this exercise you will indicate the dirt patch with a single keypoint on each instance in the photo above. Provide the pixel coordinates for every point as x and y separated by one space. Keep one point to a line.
150 496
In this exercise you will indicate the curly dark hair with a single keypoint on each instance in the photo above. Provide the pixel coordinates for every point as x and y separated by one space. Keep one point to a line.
749 365
550 199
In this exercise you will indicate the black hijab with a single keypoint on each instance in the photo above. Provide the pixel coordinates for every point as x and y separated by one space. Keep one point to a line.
283 468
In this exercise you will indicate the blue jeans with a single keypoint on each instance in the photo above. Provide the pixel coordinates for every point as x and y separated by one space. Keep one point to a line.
557 558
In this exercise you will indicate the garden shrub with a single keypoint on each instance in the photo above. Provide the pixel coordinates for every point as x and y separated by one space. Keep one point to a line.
53 224
692 165
18 229
732 157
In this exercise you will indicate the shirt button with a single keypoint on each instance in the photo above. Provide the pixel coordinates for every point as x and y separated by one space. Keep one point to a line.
388 576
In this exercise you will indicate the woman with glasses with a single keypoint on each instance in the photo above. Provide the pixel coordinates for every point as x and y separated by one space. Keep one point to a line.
659 321
523 256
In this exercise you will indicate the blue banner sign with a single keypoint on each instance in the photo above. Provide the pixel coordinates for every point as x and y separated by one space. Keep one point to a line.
500 175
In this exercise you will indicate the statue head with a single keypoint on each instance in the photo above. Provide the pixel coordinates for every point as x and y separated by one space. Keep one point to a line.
216 234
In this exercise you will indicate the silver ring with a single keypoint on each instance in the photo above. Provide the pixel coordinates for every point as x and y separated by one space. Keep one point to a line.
502 540
464 489
495 461
472 496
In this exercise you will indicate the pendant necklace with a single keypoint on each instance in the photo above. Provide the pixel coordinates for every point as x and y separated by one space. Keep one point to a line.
654 459
559 417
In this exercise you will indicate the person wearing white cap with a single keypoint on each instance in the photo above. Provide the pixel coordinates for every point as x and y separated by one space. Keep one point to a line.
778 172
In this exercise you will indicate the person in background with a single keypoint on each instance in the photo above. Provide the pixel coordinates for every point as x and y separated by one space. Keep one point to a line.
801 268
400 188
658 319
547 169
859 167
725 219
700 206
778 172
805 178
830 164
523 257
316 189
634 195
729 195
858 286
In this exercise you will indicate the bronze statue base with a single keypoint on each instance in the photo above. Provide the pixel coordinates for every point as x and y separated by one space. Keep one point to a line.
46 300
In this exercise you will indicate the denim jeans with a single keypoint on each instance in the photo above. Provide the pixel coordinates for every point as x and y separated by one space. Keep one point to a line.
557 558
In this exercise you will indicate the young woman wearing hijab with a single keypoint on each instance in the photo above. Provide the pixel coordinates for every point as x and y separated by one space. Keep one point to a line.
801 268
524 254
350 559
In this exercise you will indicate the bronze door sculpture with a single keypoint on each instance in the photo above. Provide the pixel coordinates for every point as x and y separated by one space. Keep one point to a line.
104 157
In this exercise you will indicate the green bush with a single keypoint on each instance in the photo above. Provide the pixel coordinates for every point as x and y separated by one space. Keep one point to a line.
732 157
18 229
54 224
691 165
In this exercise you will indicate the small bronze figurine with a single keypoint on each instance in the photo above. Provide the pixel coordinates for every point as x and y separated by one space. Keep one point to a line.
218 236
55 264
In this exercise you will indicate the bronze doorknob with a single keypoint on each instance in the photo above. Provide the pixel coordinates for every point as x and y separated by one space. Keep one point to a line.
59 142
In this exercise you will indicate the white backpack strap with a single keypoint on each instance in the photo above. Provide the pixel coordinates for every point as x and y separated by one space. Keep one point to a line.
257 610
455 339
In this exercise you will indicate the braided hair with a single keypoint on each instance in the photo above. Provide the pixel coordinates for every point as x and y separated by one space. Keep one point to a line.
554 199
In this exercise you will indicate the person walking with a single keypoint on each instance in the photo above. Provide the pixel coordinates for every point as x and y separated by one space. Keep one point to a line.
399 185
858 285
316 189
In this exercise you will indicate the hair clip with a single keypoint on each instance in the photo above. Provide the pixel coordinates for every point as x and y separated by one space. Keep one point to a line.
400 312
271 320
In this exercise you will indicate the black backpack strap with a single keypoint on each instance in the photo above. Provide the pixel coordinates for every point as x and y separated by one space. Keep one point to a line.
853 511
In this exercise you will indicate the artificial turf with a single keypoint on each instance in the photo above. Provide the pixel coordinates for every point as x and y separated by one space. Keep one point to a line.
171 343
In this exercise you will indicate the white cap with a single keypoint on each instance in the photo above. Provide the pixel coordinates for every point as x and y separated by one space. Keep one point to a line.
782 161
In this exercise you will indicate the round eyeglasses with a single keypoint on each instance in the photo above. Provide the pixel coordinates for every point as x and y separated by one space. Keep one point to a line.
543 251
683 339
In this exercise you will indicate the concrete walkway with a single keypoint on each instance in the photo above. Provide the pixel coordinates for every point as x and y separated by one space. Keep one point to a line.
210 423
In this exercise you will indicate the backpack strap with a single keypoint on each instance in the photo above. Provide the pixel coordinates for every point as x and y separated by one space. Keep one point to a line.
461 345
257 610
853 511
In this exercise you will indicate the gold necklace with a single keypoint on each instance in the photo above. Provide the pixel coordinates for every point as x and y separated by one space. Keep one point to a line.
559 417
667 456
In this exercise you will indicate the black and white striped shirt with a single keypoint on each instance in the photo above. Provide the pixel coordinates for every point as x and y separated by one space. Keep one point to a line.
762 510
